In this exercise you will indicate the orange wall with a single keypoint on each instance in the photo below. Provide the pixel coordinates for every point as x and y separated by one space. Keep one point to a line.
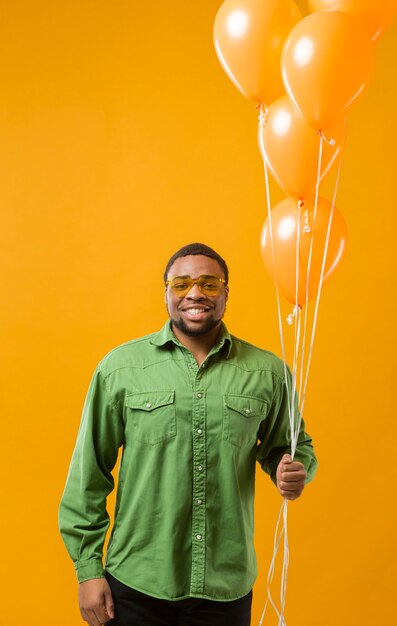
120 140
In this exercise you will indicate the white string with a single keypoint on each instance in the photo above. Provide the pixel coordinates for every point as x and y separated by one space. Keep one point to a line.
295 428
284 531
302 377
321 281
262 118
284 574
296 334
309 262
276 544
291 412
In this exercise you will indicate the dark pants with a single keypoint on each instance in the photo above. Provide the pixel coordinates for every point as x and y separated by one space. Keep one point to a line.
133 608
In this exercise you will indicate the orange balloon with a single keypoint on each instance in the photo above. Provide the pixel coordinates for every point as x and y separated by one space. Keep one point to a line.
291 149
326 62
248 38
375 15
288 220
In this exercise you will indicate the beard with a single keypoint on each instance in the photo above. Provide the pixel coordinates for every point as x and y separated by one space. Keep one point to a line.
209 325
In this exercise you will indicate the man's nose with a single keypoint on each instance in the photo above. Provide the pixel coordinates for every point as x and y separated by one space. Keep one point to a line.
194 293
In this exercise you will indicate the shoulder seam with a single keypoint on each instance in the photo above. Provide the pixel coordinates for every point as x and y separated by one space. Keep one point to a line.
252 345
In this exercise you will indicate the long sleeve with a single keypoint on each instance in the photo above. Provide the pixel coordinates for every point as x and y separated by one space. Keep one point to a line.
275 436
83 518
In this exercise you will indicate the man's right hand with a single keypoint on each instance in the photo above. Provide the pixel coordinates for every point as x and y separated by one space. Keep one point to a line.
96 601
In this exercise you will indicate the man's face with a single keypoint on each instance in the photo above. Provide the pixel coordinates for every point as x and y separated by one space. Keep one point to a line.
196 314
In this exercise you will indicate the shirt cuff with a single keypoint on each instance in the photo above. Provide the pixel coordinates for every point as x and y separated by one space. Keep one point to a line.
91 568
310 463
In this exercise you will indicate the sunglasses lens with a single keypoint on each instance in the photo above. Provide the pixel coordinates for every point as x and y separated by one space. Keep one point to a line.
209 286
180 286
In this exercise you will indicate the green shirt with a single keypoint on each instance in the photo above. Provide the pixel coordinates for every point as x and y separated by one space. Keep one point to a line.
184 518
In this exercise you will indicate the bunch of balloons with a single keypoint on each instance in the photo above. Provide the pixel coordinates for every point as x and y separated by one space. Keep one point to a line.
304 74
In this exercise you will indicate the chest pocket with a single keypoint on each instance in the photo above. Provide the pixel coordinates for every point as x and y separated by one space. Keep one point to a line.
241 418
150 416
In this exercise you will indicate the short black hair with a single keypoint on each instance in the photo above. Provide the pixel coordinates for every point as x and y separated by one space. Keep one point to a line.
193 249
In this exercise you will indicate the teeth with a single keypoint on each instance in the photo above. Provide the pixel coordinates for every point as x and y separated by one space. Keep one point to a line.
196 311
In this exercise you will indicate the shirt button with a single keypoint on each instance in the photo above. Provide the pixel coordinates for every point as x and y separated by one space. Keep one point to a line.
199 501
199 395
199 431
148 405
199 537
200 468
247 411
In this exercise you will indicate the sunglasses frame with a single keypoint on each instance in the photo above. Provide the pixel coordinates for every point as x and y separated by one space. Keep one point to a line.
194 281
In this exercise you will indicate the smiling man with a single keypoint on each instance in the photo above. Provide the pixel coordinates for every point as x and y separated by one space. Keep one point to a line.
194 408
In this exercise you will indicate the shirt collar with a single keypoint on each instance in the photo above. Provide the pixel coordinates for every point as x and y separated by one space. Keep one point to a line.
166 336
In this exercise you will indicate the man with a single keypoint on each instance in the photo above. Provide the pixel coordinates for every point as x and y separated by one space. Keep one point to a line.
194 408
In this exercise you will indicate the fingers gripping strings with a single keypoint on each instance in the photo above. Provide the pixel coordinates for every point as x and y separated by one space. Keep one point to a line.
300 369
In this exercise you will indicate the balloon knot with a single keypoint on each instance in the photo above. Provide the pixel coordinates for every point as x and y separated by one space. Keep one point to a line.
306 225
263 114
330 141
290 318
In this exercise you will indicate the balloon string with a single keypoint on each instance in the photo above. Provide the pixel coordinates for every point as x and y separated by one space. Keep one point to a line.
281 531
295 428
320 154
321 278
296 330
303 398
269 215
284 532
284 574
302 364
278 535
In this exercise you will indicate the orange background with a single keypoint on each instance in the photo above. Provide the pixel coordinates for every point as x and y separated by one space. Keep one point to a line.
121 139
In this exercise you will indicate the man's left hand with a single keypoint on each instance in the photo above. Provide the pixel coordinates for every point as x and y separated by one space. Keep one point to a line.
291 477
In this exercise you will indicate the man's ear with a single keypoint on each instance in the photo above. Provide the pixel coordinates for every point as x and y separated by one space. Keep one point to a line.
227 292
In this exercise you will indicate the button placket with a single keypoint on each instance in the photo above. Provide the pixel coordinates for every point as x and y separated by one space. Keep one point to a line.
199 487
191 365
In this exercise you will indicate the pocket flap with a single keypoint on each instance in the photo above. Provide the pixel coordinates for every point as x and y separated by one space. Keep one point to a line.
246 405
149 400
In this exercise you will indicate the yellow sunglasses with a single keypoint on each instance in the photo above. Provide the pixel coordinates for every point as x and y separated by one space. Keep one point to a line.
208 285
